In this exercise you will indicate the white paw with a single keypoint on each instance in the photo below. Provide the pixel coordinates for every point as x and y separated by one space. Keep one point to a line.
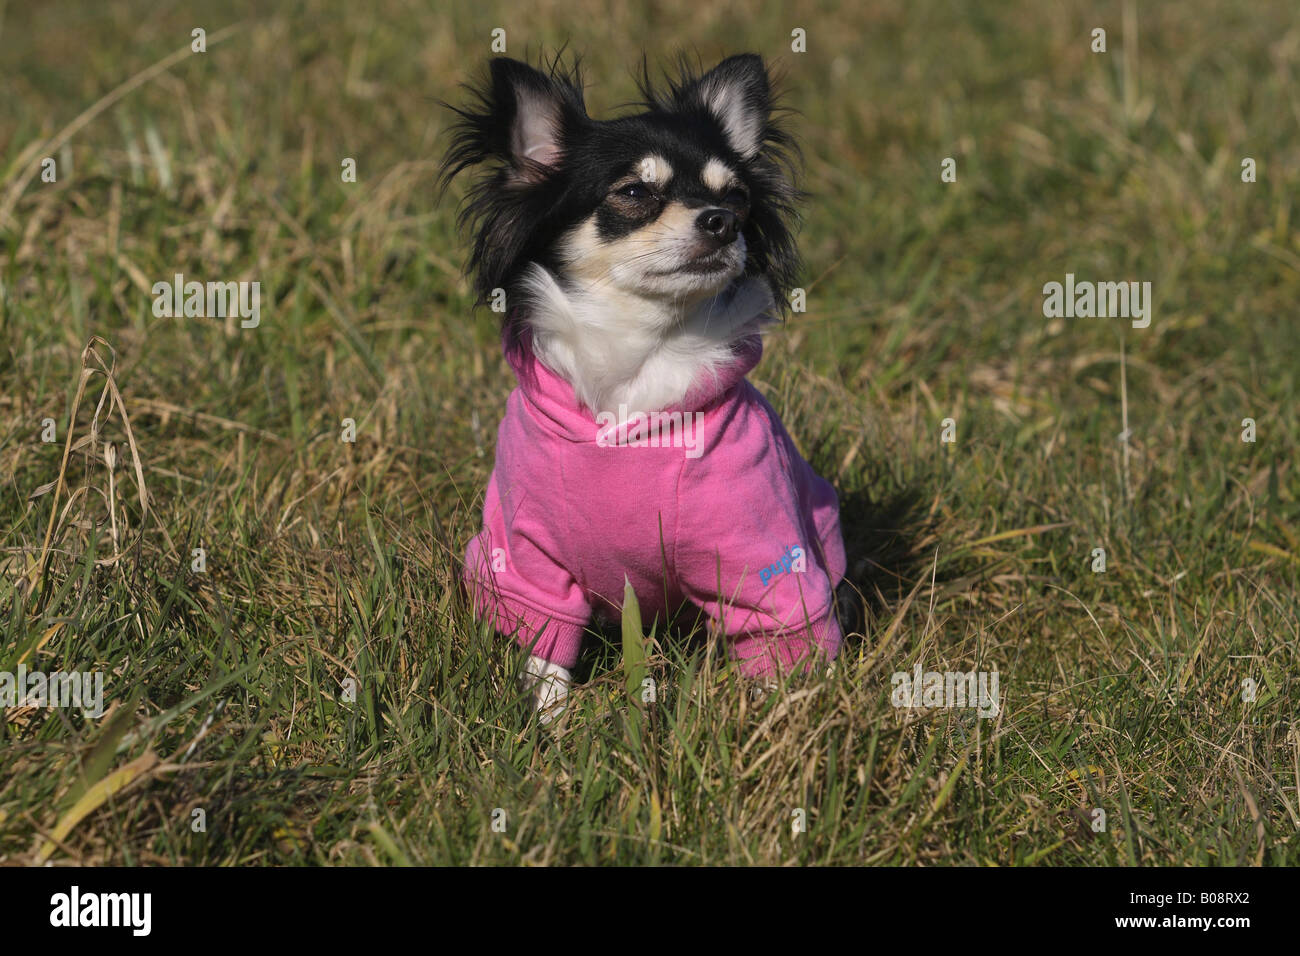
761 688
550 686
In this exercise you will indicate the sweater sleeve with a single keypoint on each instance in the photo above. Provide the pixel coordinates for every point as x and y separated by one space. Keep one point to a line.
518 585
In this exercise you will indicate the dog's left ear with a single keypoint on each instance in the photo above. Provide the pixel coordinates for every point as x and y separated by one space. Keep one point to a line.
738 95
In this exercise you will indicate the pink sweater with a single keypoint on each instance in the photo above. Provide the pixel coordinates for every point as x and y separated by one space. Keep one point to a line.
712 506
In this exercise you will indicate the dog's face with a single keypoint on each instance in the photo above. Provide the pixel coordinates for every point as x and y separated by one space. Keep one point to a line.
673 202
664 209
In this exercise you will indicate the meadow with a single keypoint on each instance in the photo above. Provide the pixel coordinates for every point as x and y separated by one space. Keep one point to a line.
291 673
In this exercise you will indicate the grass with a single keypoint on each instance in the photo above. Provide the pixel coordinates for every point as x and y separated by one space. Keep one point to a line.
330 562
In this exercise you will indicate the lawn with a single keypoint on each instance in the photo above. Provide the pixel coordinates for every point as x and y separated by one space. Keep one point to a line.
291 673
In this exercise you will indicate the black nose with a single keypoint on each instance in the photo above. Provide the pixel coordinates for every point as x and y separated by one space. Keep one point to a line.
719 224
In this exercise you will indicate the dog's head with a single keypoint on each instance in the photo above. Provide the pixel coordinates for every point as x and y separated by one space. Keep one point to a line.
672 202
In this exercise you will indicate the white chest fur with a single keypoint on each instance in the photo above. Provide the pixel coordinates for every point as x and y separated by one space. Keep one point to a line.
617 348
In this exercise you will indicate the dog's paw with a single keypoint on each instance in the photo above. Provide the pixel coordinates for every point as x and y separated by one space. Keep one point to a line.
760 689
550 686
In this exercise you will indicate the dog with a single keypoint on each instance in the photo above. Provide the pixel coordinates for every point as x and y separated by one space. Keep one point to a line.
637 261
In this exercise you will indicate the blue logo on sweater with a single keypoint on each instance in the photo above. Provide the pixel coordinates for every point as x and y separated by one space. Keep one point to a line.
793 561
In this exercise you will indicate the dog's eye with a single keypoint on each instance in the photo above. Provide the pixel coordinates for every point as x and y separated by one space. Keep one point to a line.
736 197
637 192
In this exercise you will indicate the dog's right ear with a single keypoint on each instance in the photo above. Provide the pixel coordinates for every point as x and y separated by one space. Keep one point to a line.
521 117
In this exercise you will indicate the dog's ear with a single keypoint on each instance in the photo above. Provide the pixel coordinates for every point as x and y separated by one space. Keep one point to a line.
738 95
534 110
517 125
520 117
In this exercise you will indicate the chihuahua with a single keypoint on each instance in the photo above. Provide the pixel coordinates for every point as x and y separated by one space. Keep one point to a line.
636 260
